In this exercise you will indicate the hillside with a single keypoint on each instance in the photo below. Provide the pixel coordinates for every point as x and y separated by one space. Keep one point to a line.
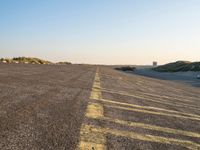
179 66
25 60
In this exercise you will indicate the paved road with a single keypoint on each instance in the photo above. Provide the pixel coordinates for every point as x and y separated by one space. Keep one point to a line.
189 77
41 106
89 108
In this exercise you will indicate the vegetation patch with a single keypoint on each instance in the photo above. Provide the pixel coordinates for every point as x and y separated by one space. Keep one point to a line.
179 66
126 68
28 60
25 60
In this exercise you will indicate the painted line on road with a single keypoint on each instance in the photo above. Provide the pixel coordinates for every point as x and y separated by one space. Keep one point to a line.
90 140
143 137
141 82
195 117
152 108
94 137
94 110
152 112
149 99
167 97
147 126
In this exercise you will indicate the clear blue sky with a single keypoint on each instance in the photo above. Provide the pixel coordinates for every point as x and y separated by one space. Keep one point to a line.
101 31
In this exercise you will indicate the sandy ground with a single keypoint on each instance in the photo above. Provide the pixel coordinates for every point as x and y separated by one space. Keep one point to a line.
188 77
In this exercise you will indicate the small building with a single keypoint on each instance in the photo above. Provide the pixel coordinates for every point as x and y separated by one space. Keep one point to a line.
155 64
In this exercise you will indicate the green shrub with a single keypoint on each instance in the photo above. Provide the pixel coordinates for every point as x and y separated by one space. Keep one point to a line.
179 66
26 60
126 68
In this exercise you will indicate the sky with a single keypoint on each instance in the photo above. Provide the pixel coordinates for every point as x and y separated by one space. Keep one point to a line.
101 31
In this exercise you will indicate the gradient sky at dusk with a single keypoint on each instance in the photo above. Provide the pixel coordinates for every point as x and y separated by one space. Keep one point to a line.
101 31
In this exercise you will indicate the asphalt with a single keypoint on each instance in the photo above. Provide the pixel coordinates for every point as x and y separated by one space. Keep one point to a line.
65 107
42 106
188 77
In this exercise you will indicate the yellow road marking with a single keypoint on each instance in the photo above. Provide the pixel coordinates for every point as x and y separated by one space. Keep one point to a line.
191 116
148 126
94 138
96 89
151 108
139 96
166 97
179 98
143 137
95 94
94 110
90 140
153 113
92 146
148 99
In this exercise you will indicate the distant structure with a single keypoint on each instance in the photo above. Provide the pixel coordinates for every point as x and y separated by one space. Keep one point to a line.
155 63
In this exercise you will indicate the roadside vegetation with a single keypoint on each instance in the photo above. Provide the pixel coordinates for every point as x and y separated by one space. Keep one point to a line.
25 60
126 68
179 66
28 60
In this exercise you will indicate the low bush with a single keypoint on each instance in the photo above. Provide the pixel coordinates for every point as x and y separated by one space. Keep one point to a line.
29 60
126 68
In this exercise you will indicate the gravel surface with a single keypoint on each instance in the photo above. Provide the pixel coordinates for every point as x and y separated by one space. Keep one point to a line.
50 107
42 106
146 113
